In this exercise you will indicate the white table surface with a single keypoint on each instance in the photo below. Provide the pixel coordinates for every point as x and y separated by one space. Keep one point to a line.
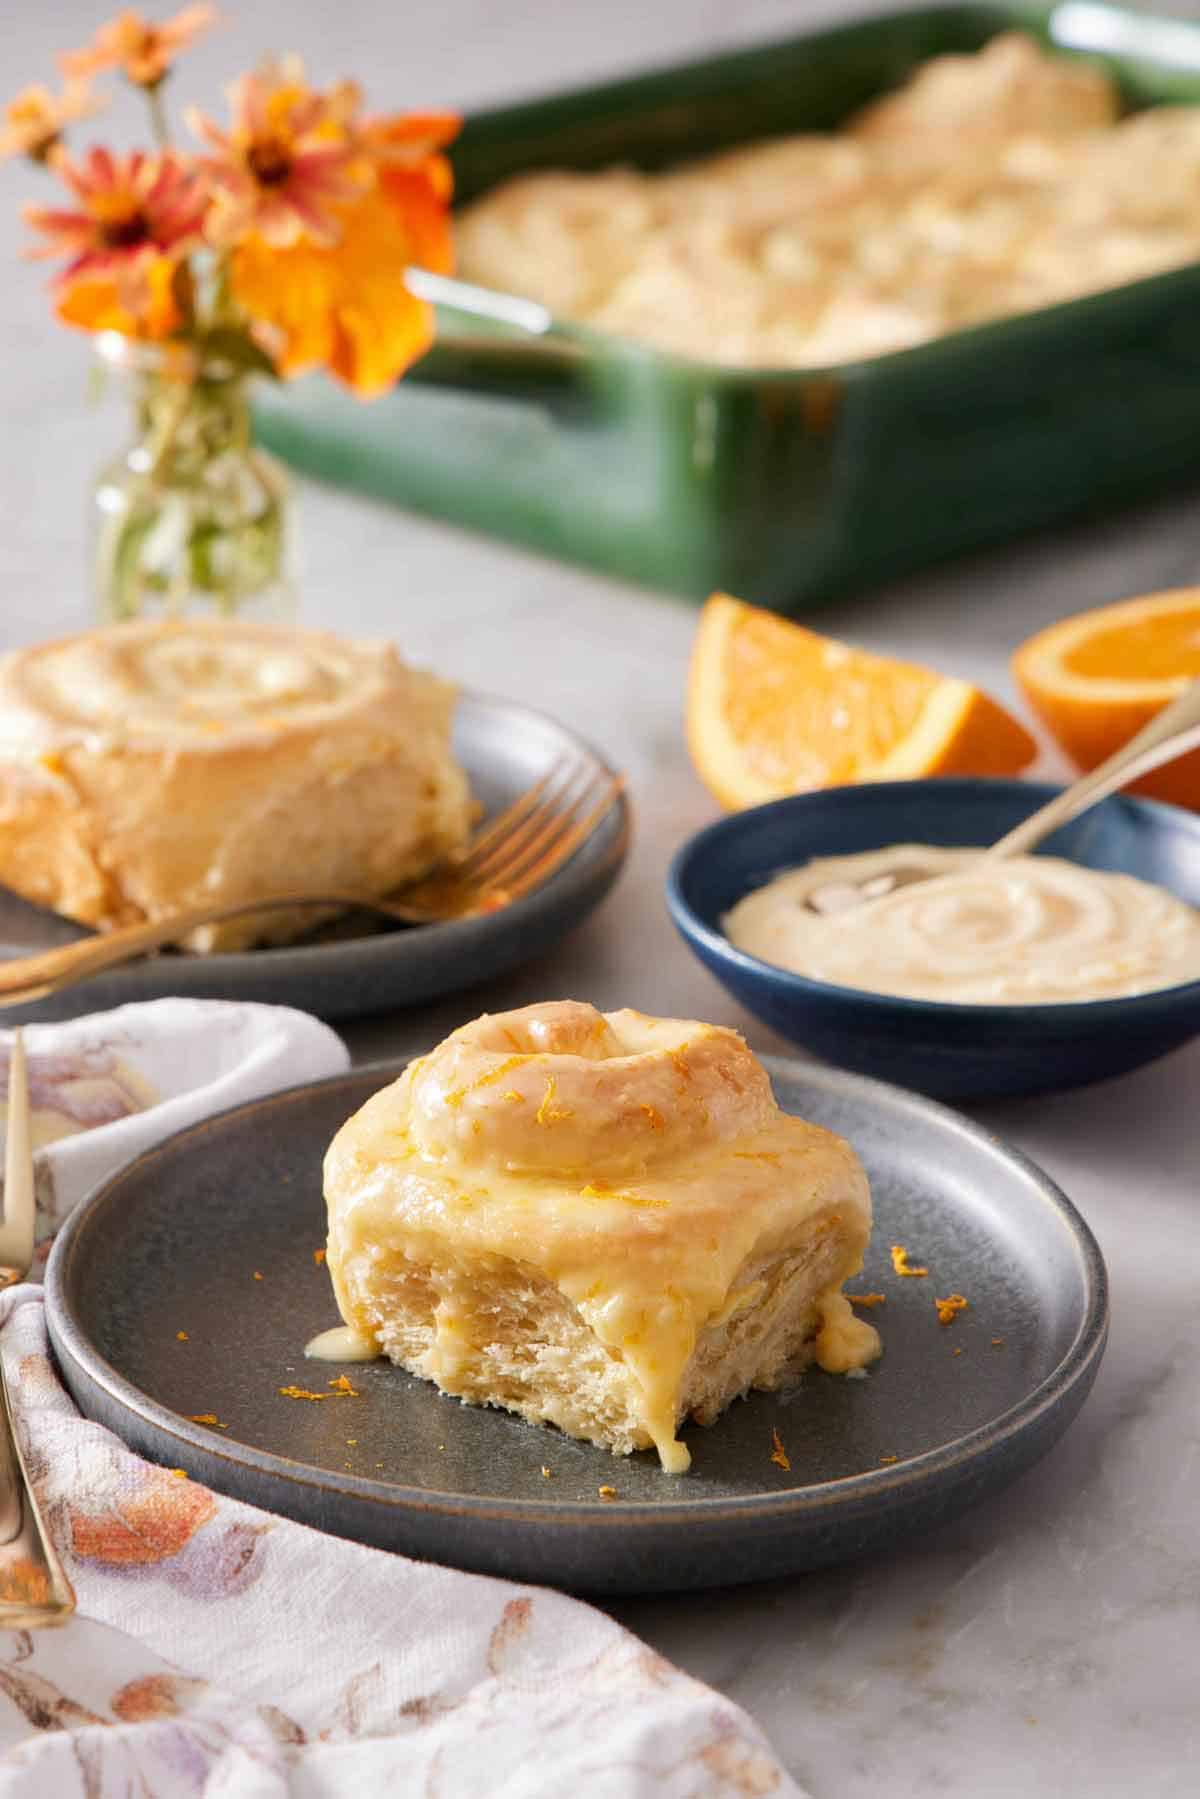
1048 1643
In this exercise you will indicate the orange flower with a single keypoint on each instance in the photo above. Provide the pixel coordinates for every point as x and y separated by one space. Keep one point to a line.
130 208
34 121
137 217
285 164
345 307
143 51
419 182
410 142
140 302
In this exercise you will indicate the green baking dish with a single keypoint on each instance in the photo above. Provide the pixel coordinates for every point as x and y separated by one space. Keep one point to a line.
784 487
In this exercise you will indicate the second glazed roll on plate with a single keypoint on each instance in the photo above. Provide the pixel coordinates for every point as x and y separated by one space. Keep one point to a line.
150 766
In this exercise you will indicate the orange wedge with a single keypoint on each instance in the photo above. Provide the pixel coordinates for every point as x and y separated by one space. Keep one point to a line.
1096 679
774 709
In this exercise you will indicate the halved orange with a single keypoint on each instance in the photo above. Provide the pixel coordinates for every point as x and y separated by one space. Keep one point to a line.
1095 679
774 708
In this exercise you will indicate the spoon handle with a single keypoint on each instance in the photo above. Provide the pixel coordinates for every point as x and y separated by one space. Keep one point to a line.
1169 734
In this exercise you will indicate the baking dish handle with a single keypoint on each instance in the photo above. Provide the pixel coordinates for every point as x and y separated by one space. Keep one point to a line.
1101 30
485 338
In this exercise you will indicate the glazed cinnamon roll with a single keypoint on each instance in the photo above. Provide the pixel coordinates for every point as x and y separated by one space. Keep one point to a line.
599 1221
149 766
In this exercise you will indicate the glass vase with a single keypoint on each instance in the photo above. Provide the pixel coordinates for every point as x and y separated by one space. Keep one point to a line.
191 517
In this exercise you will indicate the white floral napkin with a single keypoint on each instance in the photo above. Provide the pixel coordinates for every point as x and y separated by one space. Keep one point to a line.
107 1087
220 1650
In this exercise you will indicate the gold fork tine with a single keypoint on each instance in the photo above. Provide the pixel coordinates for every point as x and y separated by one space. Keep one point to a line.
556 796
560 840
16 1234
558 804
498 828
532 845
462 876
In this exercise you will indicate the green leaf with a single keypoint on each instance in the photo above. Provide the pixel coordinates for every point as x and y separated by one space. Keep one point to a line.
224 343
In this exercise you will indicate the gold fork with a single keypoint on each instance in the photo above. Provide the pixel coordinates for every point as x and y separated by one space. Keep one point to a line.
514 853
34 1591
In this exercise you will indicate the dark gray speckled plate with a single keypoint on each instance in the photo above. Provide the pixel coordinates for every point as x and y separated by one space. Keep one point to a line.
362 965
947 1416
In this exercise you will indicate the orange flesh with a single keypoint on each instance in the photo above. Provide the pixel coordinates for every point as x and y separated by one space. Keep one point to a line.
1161 648
813 712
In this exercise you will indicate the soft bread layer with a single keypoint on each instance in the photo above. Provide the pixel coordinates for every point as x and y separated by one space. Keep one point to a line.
151 766
500 1333
601 1222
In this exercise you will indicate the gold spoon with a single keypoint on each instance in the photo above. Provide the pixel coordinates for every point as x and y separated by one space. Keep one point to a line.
1169 734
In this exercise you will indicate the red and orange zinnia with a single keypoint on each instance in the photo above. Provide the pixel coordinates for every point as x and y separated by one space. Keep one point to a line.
285 164
142 50
346 307
307 213
343 304
129 207
137 217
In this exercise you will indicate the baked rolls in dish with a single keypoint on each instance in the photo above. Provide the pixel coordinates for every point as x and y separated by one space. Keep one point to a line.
600 1221
149 766
988 185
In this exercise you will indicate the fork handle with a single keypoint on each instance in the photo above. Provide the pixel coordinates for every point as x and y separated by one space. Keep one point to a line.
34 1590
26 978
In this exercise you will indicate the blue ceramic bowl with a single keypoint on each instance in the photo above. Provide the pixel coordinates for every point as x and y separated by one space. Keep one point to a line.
947 1050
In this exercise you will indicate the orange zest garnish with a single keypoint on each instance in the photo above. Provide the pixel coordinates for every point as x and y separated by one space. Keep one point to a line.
303 1393
209 1418
949 1308
603 1190
499 1071
608 1492
548 1112
318 1256
901 1263
779 1454
341 1383
866 1299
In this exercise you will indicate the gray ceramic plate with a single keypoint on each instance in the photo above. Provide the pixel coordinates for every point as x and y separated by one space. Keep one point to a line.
173 1243
504 749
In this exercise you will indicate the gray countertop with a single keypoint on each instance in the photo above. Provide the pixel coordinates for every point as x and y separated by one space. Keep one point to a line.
1048 1641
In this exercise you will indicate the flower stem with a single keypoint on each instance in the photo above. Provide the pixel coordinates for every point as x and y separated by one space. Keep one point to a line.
158 116
164 441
